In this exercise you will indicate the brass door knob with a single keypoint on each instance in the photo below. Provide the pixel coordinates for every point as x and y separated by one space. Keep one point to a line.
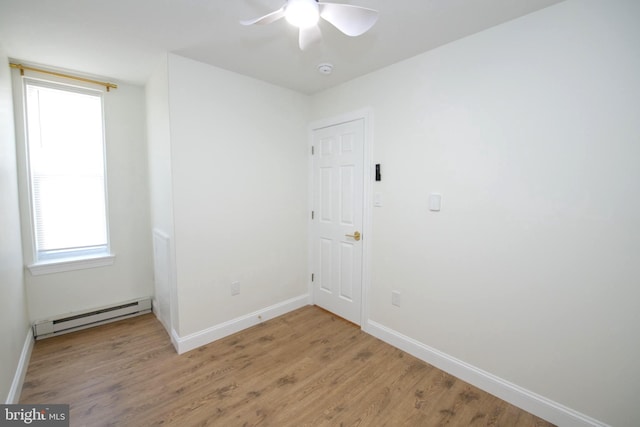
356 235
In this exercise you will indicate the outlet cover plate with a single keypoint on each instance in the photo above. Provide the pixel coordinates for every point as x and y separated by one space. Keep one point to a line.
235 288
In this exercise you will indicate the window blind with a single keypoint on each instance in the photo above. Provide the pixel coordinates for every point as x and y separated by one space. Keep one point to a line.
65 140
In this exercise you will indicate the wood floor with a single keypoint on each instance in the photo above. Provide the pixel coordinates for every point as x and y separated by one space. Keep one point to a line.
306 368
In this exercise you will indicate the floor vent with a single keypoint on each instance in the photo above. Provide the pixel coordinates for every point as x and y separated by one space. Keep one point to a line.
78 321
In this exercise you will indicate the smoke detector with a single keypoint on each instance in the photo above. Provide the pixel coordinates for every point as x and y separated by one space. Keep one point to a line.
325 68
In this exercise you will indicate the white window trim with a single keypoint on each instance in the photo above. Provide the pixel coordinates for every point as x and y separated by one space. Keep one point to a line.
37 268
70 264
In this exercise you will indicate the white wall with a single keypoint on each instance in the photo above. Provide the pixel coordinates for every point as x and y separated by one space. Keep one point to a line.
130 276
160 180
14 322
159 148
239 192
530 130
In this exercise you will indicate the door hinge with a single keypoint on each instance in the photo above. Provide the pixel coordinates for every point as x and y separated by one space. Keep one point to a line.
312 277
313 214
313 151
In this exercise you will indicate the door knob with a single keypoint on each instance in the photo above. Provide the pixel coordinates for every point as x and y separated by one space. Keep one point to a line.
356 235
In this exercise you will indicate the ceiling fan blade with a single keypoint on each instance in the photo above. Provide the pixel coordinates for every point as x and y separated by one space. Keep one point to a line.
266 19
308 36
351 20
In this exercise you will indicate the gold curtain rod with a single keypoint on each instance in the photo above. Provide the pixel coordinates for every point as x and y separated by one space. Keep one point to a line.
21 67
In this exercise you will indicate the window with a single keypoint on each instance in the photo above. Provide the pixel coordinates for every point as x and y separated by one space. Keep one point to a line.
66 171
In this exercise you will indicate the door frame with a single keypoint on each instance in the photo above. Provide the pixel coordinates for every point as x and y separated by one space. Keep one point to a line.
368 171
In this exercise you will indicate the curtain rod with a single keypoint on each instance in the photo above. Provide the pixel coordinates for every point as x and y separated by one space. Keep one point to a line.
21 67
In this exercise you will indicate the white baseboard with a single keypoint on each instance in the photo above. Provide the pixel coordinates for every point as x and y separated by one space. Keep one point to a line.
21 371
540 406
206 336
175 341
167 327
531 402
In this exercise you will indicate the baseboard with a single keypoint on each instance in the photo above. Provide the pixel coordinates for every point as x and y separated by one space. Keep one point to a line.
531 402
175 340
206 336
21 371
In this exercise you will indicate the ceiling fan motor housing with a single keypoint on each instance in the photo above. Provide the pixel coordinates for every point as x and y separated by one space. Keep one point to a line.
302 13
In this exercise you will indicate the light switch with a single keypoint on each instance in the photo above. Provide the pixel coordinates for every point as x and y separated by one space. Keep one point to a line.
435 200
377 199
395 298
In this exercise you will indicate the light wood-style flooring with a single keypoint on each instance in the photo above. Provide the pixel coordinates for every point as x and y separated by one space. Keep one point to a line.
306 368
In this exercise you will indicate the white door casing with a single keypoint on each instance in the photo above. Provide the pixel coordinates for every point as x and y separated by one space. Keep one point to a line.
162 278
338 207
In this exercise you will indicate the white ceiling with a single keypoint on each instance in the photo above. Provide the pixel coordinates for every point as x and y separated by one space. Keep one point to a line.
123 39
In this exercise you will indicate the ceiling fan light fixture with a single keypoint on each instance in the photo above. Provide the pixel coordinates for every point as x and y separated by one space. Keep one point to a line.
305 14
302 13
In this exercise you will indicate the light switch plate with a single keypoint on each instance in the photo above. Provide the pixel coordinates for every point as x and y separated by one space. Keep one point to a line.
435 201
395 298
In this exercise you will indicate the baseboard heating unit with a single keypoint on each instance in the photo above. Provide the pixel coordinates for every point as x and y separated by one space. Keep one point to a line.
82 320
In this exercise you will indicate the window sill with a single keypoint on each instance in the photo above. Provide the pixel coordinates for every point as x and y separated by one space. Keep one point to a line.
70 264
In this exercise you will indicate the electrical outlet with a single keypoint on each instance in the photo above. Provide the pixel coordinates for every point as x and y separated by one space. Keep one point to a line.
395 298
235 288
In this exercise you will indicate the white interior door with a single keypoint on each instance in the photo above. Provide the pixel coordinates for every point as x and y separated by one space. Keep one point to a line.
338 218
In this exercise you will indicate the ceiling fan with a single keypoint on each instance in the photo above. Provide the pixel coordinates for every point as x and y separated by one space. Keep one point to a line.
304 14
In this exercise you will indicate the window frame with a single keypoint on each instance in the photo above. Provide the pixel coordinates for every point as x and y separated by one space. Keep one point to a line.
77 259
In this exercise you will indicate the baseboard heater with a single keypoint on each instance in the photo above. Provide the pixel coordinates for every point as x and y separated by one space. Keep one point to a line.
82 320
